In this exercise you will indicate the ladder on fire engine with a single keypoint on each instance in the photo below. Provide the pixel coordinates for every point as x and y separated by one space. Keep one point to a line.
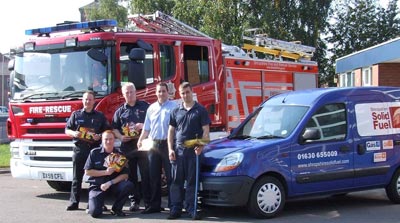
277 48
163 23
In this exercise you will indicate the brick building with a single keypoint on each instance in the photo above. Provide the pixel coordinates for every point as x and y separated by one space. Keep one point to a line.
375 66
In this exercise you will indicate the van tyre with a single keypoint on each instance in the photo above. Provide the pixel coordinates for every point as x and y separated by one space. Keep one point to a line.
393 189
267 198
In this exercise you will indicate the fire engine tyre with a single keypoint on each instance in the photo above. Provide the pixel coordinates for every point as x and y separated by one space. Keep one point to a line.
267 198
60 185
393 188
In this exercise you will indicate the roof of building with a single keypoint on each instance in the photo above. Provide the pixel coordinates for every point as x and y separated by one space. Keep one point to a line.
386 52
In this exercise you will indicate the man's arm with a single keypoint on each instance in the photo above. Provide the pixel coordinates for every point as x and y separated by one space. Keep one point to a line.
206 135
99 173
171 136
143 136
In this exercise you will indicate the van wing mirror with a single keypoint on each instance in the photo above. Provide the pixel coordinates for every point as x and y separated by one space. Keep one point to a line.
309 135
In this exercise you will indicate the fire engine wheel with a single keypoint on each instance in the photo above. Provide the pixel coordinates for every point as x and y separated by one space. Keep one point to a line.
267 198
60 185
393 188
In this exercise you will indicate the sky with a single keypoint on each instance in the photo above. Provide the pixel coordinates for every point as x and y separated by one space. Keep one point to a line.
19 15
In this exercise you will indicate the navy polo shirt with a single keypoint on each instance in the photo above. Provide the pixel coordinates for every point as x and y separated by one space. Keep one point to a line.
189 123
126 115
94 120
96 160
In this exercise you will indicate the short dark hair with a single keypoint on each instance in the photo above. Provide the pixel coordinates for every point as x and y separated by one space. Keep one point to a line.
185 85
163 84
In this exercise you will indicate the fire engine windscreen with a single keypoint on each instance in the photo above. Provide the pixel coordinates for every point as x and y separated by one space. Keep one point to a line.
50 76
271 121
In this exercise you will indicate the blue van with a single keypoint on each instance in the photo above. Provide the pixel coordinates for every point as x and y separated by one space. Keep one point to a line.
302 143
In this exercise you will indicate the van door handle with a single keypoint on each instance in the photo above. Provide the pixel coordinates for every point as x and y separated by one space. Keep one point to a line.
344 149
360 149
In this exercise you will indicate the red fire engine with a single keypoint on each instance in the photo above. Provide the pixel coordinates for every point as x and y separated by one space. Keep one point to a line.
59 63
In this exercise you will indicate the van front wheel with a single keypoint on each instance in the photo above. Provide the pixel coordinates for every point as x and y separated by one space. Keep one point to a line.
393 189
267 198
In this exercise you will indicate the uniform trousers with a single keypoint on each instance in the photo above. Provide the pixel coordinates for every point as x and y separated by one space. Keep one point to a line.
79 158
183 169
121 190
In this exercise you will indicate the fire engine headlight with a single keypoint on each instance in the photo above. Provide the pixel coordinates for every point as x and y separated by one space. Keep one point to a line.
14 152
229 162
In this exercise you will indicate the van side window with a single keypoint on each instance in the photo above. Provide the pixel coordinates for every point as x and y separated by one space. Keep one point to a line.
196 64
330 120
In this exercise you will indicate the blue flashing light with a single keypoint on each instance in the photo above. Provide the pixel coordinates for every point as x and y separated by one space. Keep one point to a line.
73 26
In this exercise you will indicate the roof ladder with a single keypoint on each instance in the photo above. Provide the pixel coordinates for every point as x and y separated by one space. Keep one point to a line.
163 23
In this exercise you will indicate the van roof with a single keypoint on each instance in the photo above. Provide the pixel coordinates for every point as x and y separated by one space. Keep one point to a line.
308 97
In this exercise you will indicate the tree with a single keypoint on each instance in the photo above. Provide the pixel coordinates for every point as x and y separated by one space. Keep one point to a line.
150 6
359 24
108 9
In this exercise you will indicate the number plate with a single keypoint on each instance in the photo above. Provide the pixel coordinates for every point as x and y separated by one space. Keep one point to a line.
51 176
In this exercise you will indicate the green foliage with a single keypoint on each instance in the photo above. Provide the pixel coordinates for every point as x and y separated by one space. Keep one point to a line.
5 155
344 26
359 24
150 6
108 9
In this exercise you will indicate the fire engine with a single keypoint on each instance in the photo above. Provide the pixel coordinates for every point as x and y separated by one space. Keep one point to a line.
57 64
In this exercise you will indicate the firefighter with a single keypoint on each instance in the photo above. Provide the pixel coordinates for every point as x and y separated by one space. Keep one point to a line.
188 121
107 177
85 126
127 124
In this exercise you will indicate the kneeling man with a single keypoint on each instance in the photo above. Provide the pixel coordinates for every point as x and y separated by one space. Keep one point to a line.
107 173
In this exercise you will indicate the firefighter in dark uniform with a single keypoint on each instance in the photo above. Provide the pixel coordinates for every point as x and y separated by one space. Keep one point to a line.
127 124
188 121
85 126
105 177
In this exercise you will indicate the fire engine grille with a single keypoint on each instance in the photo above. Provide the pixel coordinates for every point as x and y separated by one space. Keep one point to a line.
45 131
34 148
49 120
53 159
34 152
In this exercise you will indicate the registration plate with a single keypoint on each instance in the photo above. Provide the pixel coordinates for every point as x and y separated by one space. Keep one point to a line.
52 176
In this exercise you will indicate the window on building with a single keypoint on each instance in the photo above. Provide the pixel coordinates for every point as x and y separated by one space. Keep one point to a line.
367 76
346 79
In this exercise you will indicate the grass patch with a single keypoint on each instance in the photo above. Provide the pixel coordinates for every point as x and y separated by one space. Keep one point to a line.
5 155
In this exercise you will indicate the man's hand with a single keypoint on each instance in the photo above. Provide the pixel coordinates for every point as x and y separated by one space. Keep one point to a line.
109 171
106 185
172 156
198 150
126 138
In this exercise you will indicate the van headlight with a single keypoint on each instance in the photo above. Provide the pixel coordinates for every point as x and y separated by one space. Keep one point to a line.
229 162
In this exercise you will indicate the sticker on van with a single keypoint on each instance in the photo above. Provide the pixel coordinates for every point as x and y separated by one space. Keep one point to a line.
378 118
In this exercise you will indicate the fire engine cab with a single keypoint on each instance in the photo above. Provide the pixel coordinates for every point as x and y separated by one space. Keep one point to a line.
53 69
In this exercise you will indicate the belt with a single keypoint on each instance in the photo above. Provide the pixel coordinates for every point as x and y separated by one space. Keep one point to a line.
159 140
